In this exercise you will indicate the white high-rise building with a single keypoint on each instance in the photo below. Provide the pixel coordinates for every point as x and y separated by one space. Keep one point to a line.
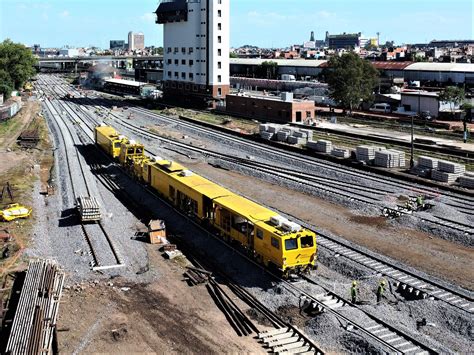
136 40
196 48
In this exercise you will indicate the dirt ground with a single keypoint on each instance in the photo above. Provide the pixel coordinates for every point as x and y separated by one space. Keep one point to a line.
166 316
438 257
21 168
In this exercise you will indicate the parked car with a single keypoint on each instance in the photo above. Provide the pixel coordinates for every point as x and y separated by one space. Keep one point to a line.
385 108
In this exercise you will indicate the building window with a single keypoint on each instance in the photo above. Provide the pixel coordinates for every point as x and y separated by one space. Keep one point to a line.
183 75
169 50
183 61
219 78
176 62
219 13
219 91
219 65
308 114
219 26
176 74
169 74
191 62
191 76
219 39
169 61
176 50
190 50
219 52
219 2
183 50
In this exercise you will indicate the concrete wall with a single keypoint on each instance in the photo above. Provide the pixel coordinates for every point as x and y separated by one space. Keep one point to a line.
422 103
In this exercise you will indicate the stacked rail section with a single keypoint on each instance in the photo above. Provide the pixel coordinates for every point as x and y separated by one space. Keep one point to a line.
35 318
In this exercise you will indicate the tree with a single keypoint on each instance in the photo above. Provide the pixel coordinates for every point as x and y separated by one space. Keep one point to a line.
6 84
233 55
453 95
467 117
17 61
267 70
351 80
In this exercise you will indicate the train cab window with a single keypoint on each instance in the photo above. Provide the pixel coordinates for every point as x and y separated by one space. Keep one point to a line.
139 151
307 241
259 234
291 244
130 151
275 243
117 145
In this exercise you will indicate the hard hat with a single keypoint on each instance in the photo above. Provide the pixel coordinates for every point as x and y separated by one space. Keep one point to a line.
354 283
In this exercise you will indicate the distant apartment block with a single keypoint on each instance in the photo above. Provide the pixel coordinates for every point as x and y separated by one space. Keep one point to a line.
117 45
196 48
136 41
343 41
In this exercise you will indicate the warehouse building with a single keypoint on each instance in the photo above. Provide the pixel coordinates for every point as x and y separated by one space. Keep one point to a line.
282 109
196 49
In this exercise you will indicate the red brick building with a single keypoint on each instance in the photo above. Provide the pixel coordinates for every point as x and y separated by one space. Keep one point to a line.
267 108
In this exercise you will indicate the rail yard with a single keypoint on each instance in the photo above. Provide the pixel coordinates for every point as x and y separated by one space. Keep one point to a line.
271 242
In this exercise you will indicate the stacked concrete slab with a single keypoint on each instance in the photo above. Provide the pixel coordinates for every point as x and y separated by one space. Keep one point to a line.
428 162
367 152
297 140
448 172
282 136
321 145
267 135
467 180
450 167
444 176
390 158
341 153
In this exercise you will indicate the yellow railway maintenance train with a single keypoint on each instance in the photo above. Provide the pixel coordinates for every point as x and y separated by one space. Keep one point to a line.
270 238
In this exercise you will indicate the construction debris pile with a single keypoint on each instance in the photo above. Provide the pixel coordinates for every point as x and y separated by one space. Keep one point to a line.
35 318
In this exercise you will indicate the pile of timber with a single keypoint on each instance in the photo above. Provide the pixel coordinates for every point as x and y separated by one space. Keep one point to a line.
35 318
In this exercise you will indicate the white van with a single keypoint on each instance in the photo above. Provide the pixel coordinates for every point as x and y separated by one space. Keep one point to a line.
385 108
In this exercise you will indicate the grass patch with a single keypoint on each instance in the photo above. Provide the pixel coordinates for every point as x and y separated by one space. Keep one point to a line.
229 122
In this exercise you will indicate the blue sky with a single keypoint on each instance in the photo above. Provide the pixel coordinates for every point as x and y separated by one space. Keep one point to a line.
266 23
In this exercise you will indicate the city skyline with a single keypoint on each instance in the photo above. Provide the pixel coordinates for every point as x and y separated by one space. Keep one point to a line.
266 23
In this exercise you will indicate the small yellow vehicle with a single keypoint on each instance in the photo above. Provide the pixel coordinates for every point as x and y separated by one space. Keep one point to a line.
14 211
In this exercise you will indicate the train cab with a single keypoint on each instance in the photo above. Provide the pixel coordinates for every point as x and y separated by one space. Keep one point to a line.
130 150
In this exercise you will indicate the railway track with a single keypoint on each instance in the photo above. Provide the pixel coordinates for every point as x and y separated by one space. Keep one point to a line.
405 281
102 250
345 190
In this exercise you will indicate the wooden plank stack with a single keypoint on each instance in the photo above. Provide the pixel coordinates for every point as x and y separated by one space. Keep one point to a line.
35 318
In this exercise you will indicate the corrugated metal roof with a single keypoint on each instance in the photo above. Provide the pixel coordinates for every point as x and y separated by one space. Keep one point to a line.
125 82
448 67
280 62
391 65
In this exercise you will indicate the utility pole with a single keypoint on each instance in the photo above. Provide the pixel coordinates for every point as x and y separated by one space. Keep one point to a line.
412 150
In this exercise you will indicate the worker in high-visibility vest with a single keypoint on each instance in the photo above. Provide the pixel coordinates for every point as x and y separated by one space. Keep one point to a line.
354 292
380 291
